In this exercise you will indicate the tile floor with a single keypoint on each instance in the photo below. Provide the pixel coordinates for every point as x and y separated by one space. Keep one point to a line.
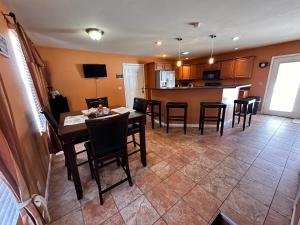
253 176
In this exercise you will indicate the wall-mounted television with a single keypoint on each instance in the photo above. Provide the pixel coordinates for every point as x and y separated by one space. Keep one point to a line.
94 70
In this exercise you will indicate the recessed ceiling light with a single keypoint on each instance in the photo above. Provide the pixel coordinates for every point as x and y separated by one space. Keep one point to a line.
158 43
236 38
164 55
236 48
185 53
94 33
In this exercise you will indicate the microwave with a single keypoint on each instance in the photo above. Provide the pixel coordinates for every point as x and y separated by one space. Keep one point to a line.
211 75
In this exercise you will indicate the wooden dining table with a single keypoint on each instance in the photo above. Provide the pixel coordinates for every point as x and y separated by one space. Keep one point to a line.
73 134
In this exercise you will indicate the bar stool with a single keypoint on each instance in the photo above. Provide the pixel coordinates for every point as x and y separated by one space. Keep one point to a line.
152 113
177 105
220 118
245 108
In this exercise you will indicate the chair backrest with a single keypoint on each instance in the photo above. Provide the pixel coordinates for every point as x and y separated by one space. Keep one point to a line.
140 105
95 102
108 135
49 116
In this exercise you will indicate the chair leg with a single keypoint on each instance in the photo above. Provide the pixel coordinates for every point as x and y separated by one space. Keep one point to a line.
239 119
185 119
133 139
168 120
98 181
127 169
233 116
202 119
219 119
245 116
250 117
159 114
222 121
152 116
91 165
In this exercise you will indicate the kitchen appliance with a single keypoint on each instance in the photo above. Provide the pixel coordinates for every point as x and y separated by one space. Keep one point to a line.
213 84
165 79
211 75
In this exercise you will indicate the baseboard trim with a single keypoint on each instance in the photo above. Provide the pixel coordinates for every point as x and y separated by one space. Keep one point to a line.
48 178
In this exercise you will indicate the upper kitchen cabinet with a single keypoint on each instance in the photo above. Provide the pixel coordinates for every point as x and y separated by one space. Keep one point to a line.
243 67
214 66
163 66
196 71
183 72
227 69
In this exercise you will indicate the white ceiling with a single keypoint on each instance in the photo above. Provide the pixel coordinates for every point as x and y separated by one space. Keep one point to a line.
132 26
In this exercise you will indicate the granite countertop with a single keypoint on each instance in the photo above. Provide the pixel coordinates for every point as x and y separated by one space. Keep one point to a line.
206 87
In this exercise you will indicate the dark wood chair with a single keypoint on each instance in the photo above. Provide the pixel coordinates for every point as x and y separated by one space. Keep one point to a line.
50 118
243 108
221 107
177 105
95 102
152 104
108 144
139 105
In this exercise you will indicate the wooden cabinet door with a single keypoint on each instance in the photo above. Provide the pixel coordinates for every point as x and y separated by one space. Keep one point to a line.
186 71
178 71
159 66
227 69
215 66
168 66
196 71
243 67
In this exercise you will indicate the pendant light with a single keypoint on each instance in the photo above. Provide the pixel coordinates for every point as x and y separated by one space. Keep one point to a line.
212 59
179 62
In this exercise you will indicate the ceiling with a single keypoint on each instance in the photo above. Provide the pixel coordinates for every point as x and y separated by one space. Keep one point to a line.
132 26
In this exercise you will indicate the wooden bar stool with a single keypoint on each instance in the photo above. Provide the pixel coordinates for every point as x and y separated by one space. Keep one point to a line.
245 107
152 104
220 118
177 105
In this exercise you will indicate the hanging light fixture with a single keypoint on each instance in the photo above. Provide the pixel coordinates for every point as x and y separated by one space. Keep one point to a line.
94 33
212 59
179 62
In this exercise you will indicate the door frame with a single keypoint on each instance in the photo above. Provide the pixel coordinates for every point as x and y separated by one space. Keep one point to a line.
124 81
264 105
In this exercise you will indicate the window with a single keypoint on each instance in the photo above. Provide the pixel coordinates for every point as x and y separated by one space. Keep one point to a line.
27 80
9 211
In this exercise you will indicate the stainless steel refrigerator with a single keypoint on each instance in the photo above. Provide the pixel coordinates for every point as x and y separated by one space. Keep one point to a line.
165 79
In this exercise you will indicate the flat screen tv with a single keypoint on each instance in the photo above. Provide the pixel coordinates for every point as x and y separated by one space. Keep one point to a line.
94 70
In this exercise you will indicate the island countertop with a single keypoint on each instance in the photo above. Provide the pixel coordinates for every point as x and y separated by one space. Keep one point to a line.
205 87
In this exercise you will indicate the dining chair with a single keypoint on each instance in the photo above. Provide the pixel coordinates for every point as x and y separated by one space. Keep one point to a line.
108 144
139 105
95 102
50 118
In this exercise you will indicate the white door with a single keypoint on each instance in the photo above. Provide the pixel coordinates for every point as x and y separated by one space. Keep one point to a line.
282 96
134 82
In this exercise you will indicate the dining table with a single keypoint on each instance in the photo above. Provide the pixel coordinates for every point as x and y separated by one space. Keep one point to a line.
73 134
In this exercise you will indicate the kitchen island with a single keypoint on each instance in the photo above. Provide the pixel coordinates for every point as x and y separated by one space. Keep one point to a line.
194 95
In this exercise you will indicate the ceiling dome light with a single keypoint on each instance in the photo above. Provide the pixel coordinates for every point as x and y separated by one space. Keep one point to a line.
94 33
159 43
185 53
164 55
236 48
236 38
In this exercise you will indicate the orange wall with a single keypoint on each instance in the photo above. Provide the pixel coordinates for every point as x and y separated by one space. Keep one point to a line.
35 154
66 74
260 76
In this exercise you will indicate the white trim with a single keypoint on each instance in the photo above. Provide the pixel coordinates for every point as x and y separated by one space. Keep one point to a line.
48 178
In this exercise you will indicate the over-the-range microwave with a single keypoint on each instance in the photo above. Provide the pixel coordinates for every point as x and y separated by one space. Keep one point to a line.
211 75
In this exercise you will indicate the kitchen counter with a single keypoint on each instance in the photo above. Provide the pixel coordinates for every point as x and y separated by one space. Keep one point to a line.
194 95
205 87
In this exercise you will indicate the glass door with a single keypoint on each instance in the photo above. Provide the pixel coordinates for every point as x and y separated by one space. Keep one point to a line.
283 95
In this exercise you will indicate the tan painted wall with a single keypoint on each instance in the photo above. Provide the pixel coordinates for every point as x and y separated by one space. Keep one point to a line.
66 74
35 155
260 76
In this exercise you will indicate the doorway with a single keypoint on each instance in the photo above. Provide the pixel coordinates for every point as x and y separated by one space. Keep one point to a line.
282 96
134 82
